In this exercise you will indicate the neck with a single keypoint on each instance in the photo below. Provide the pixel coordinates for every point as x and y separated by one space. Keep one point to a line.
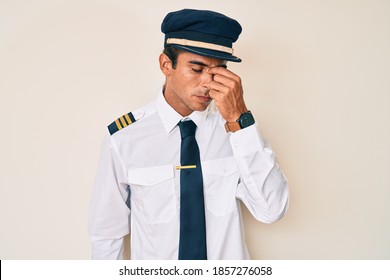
176 103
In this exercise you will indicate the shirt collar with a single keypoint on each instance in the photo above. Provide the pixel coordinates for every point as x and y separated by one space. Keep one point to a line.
170 118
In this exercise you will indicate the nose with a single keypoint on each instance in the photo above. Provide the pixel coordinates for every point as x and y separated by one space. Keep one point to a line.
206 79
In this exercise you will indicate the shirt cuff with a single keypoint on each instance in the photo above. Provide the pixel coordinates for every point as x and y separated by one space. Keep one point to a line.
246 141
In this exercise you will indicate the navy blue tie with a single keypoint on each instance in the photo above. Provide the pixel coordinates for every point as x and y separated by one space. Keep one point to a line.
192 244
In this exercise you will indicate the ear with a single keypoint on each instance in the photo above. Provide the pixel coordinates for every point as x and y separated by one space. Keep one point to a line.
165 64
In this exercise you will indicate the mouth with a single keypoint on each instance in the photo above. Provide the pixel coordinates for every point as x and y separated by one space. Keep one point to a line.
204 99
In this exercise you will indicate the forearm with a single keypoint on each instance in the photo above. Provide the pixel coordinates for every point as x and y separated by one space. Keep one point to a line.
109 215
263 187
108 249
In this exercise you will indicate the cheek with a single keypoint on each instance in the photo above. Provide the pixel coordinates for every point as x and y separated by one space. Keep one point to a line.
186 77
186 81
191 80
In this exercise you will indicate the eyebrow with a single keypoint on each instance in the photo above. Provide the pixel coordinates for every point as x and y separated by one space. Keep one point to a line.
205 65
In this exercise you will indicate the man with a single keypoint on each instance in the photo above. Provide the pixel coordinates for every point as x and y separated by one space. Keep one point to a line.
173 172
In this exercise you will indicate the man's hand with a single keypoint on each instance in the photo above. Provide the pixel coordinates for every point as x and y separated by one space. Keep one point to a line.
226 90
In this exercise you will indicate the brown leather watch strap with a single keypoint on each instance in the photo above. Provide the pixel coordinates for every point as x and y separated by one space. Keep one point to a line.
232 126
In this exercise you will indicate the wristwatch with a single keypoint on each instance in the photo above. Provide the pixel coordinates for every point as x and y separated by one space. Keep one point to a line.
246 119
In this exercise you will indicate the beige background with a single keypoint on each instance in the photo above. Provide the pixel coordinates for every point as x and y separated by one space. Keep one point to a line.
316 75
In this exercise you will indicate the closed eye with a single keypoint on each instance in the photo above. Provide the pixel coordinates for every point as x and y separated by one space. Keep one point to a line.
197 70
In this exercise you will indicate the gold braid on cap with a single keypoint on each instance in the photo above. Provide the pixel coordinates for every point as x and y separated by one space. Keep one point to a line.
199 44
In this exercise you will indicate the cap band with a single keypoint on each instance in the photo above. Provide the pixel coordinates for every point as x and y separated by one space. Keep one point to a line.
199 44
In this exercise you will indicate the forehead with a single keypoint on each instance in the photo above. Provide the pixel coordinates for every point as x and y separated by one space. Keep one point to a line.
188 58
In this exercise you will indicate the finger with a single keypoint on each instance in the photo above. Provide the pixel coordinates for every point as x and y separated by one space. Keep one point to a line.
223 72
216 86
216 95
225 81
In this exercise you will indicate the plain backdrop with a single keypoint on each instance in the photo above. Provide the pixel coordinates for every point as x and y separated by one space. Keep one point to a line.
316 74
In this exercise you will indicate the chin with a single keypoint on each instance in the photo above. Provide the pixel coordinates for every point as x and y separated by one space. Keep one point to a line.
201 108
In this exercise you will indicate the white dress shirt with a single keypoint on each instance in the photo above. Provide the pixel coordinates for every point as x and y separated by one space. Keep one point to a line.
140 160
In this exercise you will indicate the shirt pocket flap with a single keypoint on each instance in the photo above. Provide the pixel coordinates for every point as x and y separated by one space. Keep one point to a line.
150 176
220 167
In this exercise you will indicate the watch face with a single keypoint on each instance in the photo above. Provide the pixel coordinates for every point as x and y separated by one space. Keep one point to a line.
246 119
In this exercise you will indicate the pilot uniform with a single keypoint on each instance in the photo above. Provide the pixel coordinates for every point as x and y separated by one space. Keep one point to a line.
138 163
137 186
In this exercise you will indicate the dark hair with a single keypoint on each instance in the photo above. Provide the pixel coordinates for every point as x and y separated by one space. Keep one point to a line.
172 54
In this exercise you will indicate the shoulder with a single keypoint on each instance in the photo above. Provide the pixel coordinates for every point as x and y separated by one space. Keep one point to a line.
121 123
130 118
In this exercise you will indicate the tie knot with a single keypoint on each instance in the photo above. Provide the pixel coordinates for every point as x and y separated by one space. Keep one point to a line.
187 128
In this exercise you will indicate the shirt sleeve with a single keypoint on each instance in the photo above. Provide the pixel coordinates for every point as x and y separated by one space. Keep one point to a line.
108 213
262 187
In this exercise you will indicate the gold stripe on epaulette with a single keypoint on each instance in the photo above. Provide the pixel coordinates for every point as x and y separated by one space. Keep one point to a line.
128 119
124 124
118 125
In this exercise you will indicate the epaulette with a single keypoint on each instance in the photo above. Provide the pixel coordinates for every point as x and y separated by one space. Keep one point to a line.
121 122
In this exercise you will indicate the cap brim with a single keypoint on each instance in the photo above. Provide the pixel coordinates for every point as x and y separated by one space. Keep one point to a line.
208 53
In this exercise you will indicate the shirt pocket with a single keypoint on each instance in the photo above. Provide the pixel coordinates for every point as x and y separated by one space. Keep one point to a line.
153 194
220 180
